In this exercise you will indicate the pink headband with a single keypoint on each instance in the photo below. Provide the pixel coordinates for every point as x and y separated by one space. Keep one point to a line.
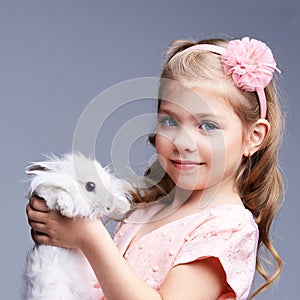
250 63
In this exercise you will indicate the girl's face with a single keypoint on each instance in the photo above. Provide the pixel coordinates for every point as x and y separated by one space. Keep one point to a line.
199 139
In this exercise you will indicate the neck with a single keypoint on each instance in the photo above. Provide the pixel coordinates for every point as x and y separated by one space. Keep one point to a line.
205 198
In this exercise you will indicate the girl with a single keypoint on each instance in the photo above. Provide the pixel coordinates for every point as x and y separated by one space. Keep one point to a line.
217 139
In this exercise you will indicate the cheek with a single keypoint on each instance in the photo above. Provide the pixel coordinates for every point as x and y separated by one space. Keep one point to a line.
220 156
210 150
163 146
232 155
218 152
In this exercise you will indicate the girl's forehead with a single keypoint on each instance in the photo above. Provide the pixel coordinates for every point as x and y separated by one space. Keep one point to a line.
193 100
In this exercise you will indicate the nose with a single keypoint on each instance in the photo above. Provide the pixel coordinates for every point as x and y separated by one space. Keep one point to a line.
183 141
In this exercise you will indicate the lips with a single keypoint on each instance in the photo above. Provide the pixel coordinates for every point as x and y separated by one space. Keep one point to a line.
185 164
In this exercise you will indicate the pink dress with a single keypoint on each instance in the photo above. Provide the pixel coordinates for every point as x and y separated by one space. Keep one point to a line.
227 232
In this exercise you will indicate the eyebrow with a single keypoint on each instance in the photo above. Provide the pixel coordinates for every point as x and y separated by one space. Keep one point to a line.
202 115
209 115
166 111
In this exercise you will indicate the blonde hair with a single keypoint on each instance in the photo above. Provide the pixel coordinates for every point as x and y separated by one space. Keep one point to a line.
258 180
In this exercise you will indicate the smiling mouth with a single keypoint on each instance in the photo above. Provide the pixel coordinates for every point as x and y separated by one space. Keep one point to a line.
186 165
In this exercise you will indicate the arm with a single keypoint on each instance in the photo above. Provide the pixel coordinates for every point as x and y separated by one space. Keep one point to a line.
197 280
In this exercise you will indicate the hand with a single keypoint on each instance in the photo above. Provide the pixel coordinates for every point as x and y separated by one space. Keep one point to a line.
51 228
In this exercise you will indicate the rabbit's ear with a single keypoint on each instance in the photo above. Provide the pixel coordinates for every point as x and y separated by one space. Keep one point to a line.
35 168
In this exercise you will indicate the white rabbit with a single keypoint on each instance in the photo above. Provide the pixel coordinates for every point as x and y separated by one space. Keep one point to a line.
78 187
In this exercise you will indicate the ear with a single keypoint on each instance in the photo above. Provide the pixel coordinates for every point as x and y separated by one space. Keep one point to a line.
35 168
256 137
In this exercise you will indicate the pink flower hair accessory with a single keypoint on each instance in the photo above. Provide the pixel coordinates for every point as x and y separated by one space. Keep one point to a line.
249 62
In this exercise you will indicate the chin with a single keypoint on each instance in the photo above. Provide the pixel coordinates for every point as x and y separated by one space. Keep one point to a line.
189 185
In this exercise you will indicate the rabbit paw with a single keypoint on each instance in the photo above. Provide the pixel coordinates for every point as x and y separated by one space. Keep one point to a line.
65 204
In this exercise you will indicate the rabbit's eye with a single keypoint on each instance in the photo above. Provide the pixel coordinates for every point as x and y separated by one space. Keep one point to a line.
90 186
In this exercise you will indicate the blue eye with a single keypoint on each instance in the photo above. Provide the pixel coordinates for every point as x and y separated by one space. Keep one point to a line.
208 126
168 121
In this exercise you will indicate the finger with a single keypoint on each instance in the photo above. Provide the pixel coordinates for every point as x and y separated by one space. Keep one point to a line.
38 203
39 237
38 227
35 215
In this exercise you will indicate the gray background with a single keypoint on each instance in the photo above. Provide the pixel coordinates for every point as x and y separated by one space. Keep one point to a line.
56 56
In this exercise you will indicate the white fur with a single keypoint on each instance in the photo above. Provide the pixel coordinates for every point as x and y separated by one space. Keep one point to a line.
53 273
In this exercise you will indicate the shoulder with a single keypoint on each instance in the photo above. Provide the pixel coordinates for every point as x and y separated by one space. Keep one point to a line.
222 229
222 221
230 234
231 218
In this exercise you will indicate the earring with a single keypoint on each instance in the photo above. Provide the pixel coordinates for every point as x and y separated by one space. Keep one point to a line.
248 155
